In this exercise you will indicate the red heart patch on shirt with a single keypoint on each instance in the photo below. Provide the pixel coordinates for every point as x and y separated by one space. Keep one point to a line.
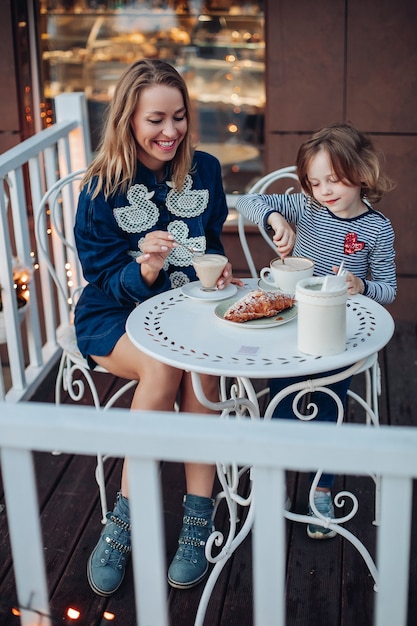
352 244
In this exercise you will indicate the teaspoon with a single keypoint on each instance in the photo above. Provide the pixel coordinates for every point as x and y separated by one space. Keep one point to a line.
194 251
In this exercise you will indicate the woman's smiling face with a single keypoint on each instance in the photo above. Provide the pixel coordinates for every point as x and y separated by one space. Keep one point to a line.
159 124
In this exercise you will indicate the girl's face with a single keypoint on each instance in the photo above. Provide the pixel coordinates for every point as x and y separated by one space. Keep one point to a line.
159 124
341 199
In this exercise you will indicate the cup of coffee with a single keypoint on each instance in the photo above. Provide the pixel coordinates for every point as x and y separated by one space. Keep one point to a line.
286 274
209 268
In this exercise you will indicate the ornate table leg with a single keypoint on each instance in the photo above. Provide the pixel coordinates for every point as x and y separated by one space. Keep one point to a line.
238 400
301 389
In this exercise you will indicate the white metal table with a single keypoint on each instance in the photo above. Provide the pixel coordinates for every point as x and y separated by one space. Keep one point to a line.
185 333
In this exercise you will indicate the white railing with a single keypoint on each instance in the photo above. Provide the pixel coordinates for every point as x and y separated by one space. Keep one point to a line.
26 171
270 447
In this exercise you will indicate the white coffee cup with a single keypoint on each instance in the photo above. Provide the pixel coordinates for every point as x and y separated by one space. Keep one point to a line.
285 275
209 268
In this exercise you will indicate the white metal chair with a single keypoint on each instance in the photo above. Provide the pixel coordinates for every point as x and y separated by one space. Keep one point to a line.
289 183
58 259
261 186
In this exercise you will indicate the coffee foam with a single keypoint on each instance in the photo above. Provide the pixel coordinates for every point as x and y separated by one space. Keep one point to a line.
292 264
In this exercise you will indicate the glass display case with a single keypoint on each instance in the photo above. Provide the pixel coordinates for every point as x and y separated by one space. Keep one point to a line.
218 46
225 73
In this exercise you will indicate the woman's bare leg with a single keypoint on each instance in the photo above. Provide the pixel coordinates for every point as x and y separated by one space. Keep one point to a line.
199 477
189 565
129 362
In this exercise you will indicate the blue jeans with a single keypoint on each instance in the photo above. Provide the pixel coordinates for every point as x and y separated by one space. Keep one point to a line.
325 404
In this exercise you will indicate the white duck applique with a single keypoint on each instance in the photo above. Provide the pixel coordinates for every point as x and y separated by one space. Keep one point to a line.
187 202
141 214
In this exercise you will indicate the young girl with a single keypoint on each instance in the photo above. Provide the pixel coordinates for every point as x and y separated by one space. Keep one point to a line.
145 191
334 221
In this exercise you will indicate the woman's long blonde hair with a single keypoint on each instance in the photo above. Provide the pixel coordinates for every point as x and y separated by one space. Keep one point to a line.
116 160
353 157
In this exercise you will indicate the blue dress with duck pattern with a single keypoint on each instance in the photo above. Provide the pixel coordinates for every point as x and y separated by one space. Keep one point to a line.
109 233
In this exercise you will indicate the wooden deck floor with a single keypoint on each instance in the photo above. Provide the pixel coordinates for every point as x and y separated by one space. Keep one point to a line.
328 583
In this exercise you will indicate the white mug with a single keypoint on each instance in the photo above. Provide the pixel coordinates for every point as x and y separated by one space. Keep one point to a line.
321 323
285 275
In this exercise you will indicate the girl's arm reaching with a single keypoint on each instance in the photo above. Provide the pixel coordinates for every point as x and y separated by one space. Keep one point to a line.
277 211
284 234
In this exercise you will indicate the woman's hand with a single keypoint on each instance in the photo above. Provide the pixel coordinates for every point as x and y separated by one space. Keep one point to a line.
284 235
227 277
155 248
355 285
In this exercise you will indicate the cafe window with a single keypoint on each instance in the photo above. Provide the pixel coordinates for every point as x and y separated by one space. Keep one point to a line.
218 46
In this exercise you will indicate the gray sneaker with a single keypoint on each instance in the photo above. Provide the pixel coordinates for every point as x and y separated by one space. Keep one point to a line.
107 563
324 505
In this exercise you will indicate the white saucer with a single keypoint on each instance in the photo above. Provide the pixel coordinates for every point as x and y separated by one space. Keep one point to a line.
194 290
265 286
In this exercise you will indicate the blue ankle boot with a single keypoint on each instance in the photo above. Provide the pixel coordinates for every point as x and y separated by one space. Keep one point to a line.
107 563
189 565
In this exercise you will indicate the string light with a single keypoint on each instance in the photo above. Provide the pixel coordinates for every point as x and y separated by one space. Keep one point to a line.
21 279
108 616
73 614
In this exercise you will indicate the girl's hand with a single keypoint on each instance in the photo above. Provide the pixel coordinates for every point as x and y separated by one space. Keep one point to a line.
284 237
227 277
355 285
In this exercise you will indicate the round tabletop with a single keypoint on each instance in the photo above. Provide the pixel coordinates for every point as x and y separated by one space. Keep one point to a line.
186 333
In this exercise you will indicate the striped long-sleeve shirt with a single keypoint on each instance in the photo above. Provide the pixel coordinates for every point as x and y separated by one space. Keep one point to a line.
365 243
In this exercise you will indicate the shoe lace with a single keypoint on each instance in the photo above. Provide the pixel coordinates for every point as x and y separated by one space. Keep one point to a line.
193 536
118 548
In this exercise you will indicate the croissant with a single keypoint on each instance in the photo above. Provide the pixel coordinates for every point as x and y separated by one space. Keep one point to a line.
258 304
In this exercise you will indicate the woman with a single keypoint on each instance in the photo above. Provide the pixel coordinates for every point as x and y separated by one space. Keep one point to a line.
145 191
